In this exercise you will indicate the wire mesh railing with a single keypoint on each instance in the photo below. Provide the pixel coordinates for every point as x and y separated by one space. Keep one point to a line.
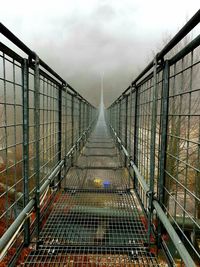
44 123
157 123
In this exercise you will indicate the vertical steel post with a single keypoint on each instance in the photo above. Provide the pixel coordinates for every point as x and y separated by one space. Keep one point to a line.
113 112
115 123
72 115
88 117
130 120
60 129
126 127
66 121
136 131
163 141
83 123
66 132
80 117
152 148
25 94
37 142
119 125
115 117
90 114
79 123
110 115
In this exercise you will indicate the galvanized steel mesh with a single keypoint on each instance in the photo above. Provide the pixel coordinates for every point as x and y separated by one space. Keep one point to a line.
162 137
41 119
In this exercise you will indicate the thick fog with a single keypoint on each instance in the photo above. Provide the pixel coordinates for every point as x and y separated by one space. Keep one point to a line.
83 39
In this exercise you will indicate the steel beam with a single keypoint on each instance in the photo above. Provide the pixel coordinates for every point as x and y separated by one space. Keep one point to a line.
25 93
37 142
163 140
152 148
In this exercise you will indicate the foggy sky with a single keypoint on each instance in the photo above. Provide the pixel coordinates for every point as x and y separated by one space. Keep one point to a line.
82 39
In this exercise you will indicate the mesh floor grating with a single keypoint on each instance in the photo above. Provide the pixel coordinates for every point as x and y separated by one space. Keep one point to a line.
97 179
98 162
94 219
91 151
98 257
100 145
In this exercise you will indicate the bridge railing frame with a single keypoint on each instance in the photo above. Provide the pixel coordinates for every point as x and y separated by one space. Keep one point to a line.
147 133
55 121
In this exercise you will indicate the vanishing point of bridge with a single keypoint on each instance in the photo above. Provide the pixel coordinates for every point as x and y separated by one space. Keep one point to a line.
87 186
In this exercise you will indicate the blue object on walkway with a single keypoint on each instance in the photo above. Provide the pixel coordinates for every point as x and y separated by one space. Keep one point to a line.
106 184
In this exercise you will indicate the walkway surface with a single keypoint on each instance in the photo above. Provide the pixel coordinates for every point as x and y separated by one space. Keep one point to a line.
96 220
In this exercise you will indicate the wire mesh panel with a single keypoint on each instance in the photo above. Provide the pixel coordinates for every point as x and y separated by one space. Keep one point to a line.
76 113
41 119
118 256
64 124
11 140
130 124
49 119
144 128
182 188
94 219
69 121
163 108
144 106
123 116
32 152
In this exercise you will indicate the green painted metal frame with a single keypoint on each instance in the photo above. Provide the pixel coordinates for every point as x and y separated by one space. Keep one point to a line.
44 94
151 92
26 147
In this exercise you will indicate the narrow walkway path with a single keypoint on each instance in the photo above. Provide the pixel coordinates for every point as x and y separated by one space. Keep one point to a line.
96 221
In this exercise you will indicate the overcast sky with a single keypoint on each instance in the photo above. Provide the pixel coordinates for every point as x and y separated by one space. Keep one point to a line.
80 39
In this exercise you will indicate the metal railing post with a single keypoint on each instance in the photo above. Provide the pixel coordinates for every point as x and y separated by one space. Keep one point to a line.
163 141
152 148
130 120
66 134
87 116
116 107
83 121
66 121
119 122
136 131
37 142
79 123
115 116
111 115
113 112
85 126
126 128
80 118
25 93
60 130
72 130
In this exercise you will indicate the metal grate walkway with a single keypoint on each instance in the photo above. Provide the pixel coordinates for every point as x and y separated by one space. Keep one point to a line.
96 220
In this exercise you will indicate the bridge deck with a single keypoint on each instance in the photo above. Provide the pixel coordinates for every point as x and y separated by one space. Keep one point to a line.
96 220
